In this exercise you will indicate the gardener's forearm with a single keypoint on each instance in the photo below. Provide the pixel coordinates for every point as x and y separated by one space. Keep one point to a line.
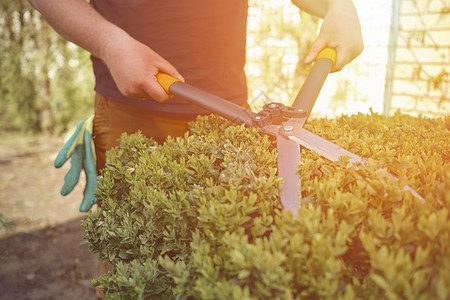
340 29
321 8
78 22
315 7
132 64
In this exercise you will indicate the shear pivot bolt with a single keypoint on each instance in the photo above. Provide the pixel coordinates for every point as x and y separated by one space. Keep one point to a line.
288 128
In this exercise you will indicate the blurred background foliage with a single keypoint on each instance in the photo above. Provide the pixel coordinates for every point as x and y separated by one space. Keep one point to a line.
46 83
279 37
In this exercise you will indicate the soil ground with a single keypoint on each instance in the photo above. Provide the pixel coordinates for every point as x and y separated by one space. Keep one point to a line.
40 231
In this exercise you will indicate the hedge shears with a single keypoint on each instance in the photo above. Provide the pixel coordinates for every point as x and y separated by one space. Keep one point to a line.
283 122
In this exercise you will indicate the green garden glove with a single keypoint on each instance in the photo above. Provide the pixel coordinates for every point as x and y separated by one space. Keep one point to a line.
80 148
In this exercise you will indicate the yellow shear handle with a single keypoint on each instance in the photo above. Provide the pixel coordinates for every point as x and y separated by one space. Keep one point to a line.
166 81
329 53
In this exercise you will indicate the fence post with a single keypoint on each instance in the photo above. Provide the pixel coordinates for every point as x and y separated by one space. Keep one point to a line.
389 78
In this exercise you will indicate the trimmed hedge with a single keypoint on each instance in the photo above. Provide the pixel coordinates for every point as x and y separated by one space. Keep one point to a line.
199 217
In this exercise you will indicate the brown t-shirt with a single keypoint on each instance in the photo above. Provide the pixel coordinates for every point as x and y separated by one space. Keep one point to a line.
204 40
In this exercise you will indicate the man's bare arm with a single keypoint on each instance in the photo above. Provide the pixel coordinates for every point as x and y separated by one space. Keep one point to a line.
132 64
315 7
340 29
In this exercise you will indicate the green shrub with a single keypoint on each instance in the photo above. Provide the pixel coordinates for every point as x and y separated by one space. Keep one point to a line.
199 217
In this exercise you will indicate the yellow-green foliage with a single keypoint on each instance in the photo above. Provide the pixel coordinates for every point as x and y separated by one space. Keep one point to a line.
199 217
